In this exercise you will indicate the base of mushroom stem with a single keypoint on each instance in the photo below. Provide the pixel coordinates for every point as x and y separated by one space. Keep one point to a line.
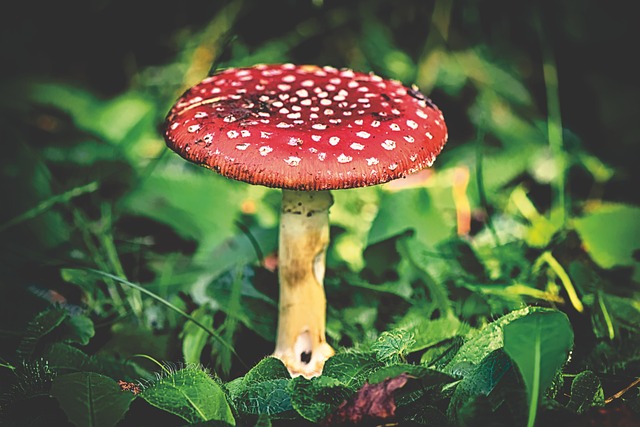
310 369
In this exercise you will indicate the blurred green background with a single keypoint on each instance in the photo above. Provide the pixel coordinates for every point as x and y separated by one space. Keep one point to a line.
542 96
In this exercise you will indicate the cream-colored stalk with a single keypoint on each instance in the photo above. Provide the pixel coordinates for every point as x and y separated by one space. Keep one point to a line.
304 237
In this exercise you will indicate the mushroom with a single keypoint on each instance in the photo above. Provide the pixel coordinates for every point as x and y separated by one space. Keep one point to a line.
307 130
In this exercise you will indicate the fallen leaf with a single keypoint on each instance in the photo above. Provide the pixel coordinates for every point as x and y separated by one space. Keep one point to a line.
371 402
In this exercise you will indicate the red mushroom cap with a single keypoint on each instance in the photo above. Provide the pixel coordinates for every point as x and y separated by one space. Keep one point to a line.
306 127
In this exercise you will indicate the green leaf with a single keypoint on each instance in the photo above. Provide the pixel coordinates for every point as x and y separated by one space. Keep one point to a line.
191 394
485 341
351 368
429 332
270 397
194 338
611 235
91 399
411 209
316 398
481 384
186 202
393 346
586 392
269 368
539 344
64 357
77 329
44 322
264 389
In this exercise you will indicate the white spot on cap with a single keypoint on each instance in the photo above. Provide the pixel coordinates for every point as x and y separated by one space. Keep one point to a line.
316 137
289 78
413 157
264 150
353 84
359 122
356 146
322 156
294 142
372 161
307 83
363 134
394 126
412 124
421 114
325 101
245 133
313 116
302 93
396 112
200 115
243 146
328 112
428 135
375 124
232 134
208 138
193 128
344 159
277 104
175 125
265 135
393 166
283 125
283 87
409 138
319 126
389 144
293 161
293 115
215 90
334 140
229 119
305 102
283 111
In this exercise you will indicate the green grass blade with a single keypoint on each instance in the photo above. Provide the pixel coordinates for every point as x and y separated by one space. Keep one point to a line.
141 289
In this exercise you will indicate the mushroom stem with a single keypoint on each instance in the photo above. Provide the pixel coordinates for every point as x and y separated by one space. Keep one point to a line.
304 237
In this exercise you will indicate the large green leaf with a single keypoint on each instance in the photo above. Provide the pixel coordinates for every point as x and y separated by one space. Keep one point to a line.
611 235
264 389
316 398
488 339
55 325
485 384
411 209
539 344
191 394
90 399
201 206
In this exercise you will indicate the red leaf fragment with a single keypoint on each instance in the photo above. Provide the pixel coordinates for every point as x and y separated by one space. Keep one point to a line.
371 402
